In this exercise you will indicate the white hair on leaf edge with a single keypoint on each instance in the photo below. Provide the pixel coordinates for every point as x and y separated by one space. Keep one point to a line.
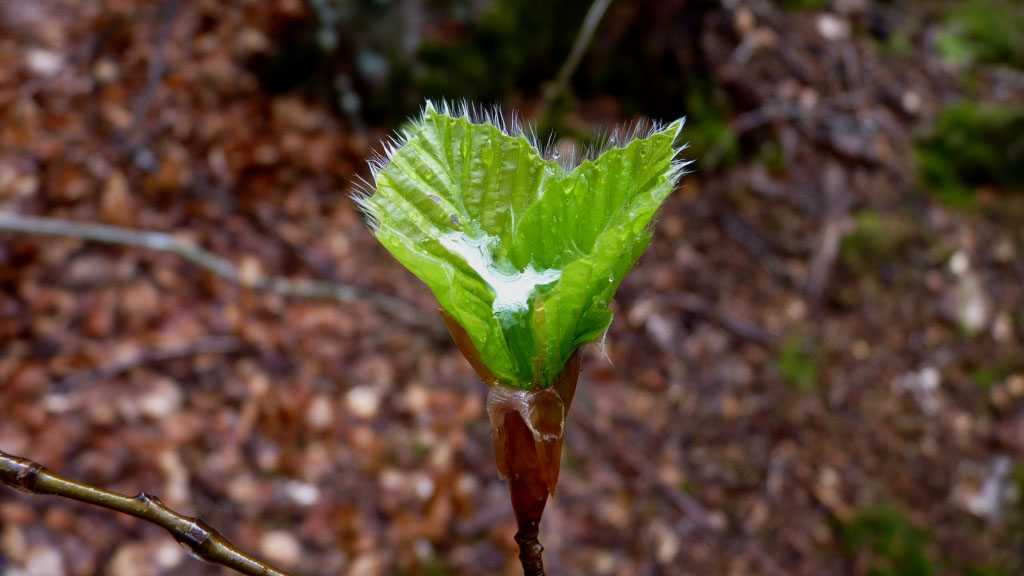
619 137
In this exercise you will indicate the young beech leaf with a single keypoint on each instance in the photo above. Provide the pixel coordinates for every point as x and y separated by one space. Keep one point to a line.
522 252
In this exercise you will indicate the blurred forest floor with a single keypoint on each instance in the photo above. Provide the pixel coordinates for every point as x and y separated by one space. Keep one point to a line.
823 345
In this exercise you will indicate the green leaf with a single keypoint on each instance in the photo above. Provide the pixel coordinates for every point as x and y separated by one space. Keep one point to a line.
522 253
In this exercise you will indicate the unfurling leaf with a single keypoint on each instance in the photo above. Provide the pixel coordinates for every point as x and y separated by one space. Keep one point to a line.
523 253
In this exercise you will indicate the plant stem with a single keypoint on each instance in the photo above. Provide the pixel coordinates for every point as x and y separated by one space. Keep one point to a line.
529 492
193 534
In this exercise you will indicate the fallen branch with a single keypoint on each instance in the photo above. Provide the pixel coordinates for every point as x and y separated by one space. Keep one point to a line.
696 515
205 542
737 325
175 351
555 89
835 226
162 242
778 112
157 65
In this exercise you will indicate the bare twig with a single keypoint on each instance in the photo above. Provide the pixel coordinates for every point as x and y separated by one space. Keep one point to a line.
205 542
747 236
210 345
162 242
696 515
642 467
834 227
739 326
157 64
778 112
579 47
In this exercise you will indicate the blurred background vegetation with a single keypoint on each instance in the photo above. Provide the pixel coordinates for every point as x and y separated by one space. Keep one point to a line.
825 345
374 61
